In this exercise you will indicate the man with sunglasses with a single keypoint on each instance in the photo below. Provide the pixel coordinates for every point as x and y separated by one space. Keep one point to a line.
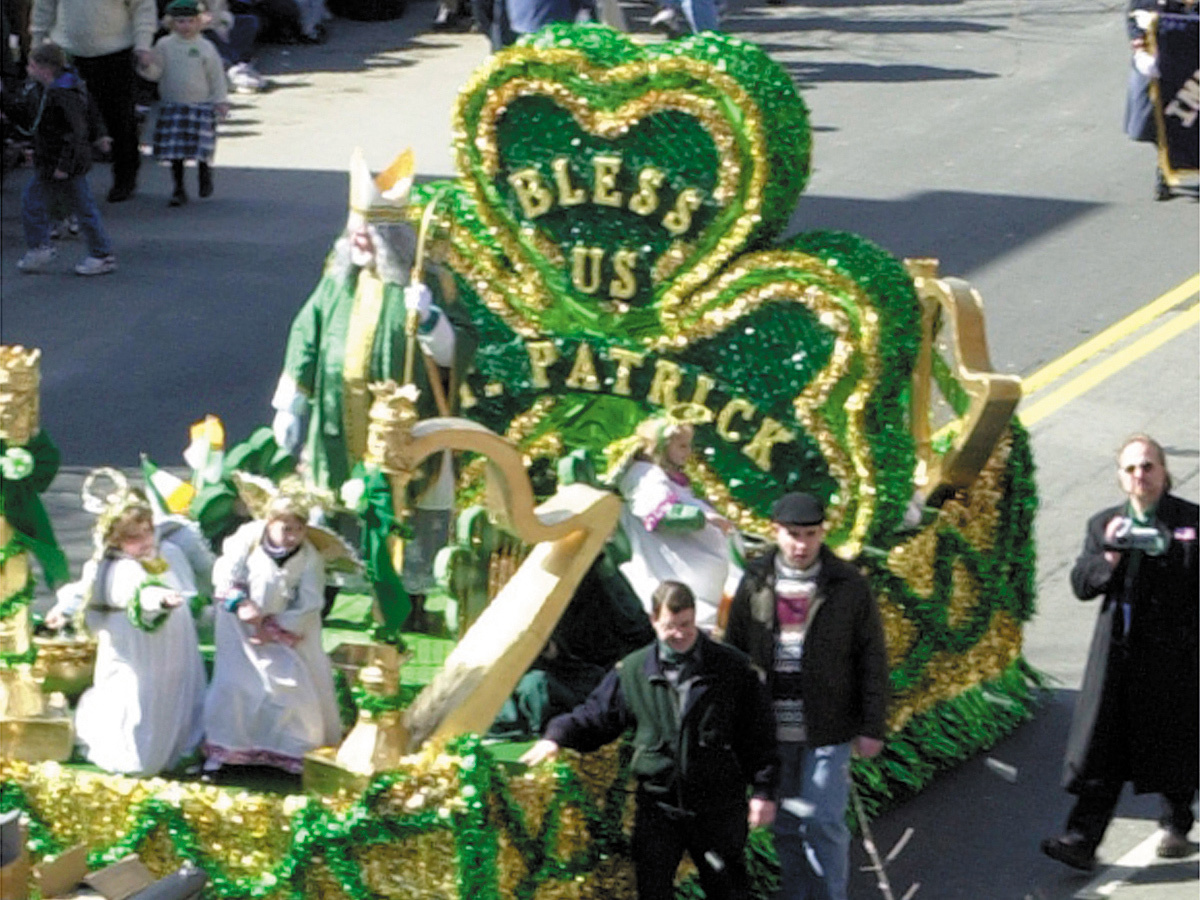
1136 716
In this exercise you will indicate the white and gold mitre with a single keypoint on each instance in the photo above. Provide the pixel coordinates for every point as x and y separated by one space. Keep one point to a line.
381 199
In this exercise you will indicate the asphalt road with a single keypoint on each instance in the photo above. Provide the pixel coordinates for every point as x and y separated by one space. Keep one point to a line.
982 132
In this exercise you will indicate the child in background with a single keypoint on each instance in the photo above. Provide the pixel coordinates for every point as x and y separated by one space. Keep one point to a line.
192 91
142 714
272 698
62 157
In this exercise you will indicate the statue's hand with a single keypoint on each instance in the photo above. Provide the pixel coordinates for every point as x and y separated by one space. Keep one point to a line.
418 299
289 431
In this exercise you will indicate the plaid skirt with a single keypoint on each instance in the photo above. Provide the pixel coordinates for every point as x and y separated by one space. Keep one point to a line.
185 131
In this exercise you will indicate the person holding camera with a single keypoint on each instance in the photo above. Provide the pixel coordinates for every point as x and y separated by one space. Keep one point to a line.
1136 716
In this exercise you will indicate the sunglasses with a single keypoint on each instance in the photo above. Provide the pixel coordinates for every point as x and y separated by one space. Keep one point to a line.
1145 467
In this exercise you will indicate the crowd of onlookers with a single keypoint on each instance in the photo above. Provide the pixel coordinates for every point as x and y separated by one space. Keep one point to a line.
80 78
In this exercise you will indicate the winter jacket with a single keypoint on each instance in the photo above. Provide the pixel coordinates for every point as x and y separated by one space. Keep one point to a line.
62 121
699 758
843 669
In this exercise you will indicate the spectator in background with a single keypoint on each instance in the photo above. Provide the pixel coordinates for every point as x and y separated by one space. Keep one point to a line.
680 17
503 21
62 157
1139 107
191 87
235 35
104 39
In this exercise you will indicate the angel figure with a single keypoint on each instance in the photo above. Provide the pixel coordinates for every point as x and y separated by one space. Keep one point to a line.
272 698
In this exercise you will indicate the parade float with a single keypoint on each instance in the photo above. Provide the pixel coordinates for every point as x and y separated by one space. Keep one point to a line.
616 231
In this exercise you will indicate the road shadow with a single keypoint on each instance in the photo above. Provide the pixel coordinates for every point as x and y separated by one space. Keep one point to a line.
738 18
195 319
975 834
965 230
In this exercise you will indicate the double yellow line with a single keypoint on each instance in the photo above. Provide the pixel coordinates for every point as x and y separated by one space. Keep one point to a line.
1088 379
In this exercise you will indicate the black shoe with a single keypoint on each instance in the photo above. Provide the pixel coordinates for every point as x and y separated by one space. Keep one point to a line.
1173 845
121 192
178 198
206 181
1071 850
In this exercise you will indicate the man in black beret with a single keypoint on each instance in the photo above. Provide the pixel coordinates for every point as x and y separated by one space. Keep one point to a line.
810 625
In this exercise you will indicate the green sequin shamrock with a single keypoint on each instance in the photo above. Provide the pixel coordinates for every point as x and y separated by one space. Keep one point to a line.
615 231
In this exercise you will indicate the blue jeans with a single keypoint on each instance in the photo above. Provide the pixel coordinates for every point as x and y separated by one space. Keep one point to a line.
811 836
243 34
70 193
700 14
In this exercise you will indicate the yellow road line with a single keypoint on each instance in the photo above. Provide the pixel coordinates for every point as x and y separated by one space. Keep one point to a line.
1110 336
1089 379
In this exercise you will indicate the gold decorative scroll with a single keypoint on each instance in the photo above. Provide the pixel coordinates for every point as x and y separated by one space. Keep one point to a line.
992 397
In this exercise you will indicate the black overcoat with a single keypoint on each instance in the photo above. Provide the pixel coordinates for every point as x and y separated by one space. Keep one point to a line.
1136 716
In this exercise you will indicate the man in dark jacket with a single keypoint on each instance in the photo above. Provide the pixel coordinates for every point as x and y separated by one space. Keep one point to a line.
808 621
702 731
1136 718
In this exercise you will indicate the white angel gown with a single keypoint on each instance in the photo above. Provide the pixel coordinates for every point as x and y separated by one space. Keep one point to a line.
142 714
700 558
269 703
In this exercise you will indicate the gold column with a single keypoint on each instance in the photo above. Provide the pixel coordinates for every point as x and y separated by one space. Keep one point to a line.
30 729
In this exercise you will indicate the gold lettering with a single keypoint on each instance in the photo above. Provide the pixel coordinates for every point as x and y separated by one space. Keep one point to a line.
542 355
624 285
604 191
743 408
667 378
645 201
583 372
585 278
769 434
704 384
625 360
679 219
535 199
568 194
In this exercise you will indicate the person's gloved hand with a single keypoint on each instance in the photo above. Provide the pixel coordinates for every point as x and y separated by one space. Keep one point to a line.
418 299
288 429
1146 63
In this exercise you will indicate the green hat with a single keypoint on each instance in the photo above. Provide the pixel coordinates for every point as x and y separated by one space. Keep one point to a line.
181 8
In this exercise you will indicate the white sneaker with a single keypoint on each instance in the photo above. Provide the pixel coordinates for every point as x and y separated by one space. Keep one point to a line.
97 265
244 79
670 21
37 260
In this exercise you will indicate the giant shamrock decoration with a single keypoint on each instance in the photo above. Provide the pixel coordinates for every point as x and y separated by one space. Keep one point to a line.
615 228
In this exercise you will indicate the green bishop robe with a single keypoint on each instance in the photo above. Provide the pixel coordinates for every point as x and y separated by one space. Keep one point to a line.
348 334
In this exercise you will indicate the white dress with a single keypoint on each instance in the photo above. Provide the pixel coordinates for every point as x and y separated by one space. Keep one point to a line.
269 703
142 714
700 559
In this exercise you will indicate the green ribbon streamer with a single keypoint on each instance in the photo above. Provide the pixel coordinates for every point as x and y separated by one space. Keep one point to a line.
22 507
378 523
